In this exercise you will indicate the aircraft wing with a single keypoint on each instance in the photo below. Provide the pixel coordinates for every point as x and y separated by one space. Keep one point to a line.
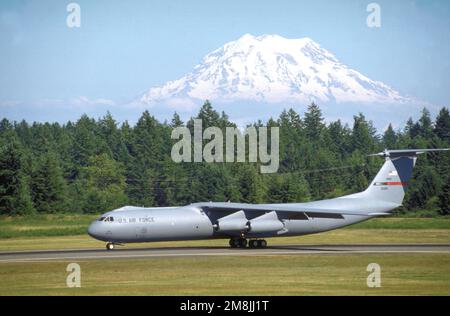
287 211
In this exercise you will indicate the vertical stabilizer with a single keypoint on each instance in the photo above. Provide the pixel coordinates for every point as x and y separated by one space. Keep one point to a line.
392 180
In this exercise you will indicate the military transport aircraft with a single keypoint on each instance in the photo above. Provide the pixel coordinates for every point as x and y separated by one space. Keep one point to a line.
241 222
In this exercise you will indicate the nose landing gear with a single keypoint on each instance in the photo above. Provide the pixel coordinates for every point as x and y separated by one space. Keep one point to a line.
242 243
109 246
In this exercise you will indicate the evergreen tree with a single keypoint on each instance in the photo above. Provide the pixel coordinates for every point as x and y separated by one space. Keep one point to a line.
110 133
339 138
297 189
176 121
287 188
424 185
363 138
87 142
425 124
48 186
5 126
313 122
68 165
444 200
409 128
15 197
102 182
390 138
442 126
208 115
291 138
252 187
149 148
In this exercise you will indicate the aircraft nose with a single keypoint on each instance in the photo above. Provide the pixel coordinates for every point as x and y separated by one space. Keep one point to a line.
94 230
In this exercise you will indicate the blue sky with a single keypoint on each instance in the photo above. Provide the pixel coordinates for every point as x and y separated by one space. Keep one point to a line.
125 47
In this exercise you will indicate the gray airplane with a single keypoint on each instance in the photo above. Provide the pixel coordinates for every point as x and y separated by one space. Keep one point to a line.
248 224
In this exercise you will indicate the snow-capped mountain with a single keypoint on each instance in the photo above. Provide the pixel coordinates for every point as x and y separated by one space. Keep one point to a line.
273 69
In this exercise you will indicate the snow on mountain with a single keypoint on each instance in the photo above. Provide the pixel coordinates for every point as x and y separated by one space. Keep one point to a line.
273 69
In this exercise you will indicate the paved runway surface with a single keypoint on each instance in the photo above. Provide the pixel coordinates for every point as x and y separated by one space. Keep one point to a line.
130 253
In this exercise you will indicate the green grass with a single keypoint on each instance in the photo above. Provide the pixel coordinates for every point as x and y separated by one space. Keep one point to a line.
264 275
44 225
404 223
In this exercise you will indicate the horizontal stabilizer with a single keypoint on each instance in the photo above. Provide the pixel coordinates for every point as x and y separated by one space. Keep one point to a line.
406 152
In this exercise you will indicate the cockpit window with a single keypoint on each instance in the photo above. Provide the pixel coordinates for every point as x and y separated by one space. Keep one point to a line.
106 219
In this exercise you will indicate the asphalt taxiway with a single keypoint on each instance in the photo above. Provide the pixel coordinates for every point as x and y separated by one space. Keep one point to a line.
135 253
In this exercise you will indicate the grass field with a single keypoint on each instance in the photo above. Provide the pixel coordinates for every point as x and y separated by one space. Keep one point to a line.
402 274
44 225
264 275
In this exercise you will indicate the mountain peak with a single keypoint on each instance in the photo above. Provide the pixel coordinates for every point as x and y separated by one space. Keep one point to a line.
274 39
270 68
262 37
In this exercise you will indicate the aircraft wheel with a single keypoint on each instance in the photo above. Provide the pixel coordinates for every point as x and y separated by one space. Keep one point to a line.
243 243
263 243
253 243
109 246
234 243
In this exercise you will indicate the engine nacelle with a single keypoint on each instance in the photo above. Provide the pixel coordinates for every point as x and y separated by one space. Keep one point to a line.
265 226
238 223
231 225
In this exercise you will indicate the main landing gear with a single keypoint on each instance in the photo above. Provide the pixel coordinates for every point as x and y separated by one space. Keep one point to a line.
242 243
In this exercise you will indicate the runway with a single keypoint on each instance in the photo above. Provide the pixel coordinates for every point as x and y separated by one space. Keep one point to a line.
136 253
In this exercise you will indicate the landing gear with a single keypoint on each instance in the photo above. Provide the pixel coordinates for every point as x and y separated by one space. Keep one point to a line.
258 243
238 242
109 246
242 243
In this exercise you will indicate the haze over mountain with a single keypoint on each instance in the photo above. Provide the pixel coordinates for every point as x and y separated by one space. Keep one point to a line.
272 69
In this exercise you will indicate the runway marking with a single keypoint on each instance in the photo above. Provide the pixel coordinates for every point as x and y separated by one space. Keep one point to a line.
246 253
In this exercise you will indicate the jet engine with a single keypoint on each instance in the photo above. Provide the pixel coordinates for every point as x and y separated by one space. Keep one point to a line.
266 223
236 222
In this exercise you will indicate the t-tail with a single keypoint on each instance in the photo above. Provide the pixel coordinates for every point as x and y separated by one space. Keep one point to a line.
392 180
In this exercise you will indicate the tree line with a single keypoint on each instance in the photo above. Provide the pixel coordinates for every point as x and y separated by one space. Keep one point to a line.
92 166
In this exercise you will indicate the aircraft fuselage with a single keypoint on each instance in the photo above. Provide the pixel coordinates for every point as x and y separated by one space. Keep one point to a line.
191 223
